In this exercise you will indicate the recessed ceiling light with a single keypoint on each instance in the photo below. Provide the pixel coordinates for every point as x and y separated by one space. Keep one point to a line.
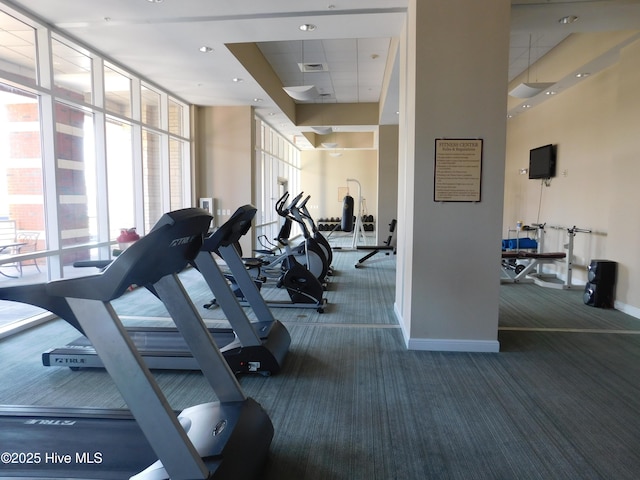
582 75
568 19
307 27
257 100
550 92
205 49
154 1
526 105
237 79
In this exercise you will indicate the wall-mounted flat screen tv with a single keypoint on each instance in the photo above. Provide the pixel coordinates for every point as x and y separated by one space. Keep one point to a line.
542 162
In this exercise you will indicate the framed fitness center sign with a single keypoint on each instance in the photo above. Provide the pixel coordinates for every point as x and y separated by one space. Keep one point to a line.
457 170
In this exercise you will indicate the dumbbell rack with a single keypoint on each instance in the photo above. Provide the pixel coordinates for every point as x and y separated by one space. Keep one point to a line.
331 224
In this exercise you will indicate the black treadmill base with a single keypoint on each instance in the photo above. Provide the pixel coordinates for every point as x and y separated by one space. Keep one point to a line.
107 444
71 443
165 349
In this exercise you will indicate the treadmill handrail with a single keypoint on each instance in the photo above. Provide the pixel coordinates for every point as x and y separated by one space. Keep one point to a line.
36 294
172 243
232 230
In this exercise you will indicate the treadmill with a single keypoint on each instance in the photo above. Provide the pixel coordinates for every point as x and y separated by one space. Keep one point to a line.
224 439
249 347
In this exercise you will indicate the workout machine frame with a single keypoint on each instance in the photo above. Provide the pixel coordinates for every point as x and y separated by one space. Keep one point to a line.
210 440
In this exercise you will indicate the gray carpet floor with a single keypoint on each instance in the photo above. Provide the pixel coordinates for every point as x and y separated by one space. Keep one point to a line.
560 401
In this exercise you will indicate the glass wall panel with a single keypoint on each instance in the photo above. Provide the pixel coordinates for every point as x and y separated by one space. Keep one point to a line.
12 312
75 178
117 91
152 177
55 147
72 72
120 186
21 181
18 48
176 173
88 253
150 100
176 118
278 164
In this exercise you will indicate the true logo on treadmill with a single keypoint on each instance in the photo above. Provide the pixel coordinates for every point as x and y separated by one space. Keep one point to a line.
181 241
44 421
70 360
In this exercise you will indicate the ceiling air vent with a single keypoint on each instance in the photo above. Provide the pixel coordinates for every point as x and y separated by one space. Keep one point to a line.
313 67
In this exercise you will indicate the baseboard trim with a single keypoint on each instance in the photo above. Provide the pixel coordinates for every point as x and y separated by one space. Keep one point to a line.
628 309
453 345
445 344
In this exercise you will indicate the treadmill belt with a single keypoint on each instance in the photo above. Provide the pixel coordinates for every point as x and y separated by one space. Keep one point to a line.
162 348
163 340
68 446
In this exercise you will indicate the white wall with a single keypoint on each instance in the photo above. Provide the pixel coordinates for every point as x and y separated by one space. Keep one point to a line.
322 175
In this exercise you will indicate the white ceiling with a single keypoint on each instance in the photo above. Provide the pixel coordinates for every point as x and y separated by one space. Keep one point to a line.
352 69
160 40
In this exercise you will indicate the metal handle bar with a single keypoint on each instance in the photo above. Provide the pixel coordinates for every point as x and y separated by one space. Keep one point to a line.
302 208
303 204
295 201
280 204
574 230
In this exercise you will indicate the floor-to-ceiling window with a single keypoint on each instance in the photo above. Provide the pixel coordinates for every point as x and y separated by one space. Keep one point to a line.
277 171
120 171
152 176
178 153
86 149
75 179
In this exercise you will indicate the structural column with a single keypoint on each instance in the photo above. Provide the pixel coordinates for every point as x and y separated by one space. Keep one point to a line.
387 180
226 158
454 68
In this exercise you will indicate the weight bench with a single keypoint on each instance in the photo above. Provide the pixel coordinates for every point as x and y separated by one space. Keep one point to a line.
535 259
387 247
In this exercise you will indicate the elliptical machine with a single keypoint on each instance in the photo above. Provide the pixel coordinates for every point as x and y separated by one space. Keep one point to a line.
308 253
313 239
302 286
